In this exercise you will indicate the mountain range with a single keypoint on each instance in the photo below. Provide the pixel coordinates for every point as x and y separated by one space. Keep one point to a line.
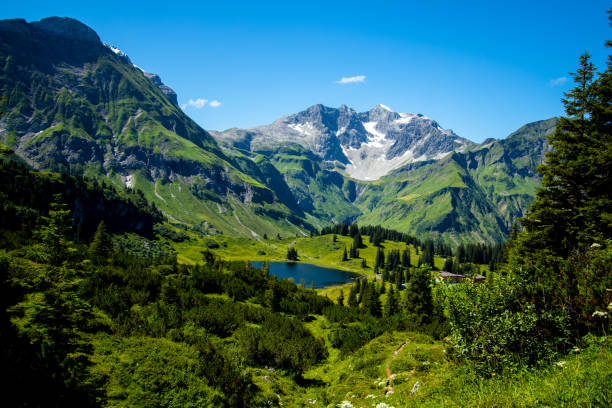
74 104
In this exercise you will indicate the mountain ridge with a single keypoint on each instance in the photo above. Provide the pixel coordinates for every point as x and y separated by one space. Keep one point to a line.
77 105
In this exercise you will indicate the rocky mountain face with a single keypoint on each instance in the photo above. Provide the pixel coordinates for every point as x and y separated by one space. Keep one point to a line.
400 170
73 104
368 144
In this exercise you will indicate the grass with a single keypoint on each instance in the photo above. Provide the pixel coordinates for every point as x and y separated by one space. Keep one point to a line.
317 250
579 379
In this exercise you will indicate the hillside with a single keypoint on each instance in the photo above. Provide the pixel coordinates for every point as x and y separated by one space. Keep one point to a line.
400 170
75 105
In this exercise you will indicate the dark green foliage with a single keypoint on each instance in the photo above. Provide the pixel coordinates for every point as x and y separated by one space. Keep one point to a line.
354 252
31 193
380 259
417 296
281 342
406 258
376 233
392 303
101 245
340 298
573 208
550 292
53 234
370 301
427 254
292 254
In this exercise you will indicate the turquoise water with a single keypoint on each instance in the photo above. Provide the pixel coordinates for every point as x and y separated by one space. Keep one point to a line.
308 274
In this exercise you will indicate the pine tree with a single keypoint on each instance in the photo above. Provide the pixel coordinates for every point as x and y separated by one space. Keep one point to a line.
448 264
371 302
573 208
357 241
418 298
353 252
292 254
380 258
352 299
406 258
344 255
53 233
392 304
101 246
398 280
340 299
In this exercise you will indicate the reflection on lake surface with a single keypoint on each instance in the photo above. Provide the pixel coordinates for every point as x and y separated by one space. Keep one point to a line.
308 274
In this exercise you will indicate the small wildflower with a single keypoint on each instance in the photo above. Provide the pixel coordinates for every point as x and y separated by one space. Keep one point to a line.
493 375
481 378
561 364
415 388
370 396
599 313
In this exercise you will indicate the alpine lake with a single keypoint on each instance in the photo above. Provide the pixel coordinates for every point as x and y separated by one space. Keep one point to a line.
309 275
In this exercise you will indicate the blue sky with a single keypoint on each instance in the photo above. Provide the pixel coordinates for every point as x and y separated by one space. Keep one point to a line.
481 68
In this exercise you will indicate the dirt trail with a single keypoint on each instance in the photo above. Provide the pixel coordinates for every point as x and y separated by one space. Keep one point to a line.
388 370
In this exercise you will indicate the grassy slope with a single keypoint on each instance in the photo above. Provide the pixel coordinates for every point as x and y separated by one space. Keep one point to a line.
580 379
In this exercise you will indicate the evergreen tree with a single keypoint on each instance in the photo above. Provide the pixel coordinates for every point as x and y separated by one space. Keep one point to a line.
418 298
380 258
344 255
371 302
101 245
392 304
352 299
53 233
573 208
340 299
406 258
364 263
353 252
358 241
448 264
292 254
399 279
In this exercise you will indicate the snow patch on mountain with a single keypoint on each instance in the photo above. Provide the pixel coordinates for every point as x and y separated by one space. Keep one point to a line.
378 139
369 162
303 128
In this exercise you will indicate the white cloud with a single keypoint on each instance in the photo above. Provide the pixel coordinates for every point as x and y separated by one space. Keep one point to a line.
558 81
214 104
352 80
196 103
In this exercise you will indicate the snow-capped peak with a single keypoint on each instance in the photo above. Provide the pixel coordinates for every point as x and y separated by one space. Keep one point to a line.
116 50
385 107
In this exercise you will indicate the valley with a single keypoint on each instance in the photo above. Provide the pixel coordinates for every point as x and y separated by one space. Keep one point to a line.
81 106
331 258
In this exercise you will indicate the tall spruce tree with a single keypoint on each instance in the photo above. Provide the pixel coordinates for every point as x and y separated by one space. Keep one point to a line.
54 233
572 210
392 304
101 245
